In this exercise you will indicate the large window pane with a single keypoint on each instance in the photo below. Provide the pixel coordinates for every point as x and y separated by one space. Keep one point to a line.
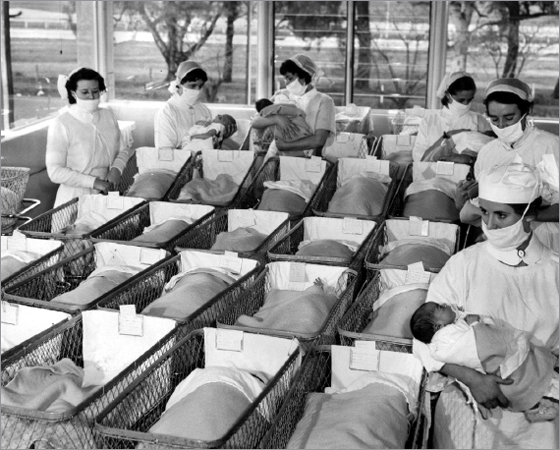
503 39
317 29
391 53
153 38
42 43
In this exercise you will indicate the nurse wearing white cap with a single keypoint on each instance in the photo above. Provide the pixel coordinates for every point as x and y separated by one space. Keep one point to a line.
301 74
456 93
512 278
173 121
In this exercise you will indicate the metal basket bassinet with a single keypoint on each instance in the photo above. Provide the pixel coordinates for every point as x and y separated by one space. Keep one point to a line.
14 183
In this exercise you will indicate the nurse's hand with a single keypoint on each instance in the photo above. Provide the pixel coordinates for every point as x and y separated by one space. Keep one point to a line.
229 130
101 185
462 192
114 178
485 389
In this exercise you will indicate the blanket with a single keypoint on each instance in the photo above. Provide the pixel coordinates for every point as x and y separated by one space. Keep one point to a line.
85 224
431 205
244 239
303 188
299 312
162 232
412 252
208 403
325 247
94 287
296 116
190 292
220 191
359 196
282 200
392 318
57 388
151 185
14 260
375 416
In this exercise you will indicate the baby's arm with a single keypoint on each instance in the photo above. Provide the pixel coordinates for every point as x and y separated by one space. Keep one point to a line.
206 135
319 282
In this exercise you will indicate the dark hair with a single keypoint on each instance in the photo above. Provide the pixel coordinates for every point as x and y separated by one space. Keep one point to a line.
262 104
194 75
292 67
83 74
509 98
422 323
519 208
462 84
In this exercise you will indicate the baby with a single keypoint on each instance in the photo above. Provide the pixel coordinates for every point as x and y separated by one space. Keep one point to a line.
455 337
221 127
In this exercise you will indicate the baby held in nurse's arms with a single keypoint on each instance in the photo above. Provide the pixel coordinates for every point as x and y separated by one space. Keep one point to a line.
470 340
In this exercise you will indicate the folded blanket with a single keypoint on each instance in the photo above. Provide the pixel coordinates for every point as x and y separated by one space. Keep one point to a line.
403 157
151 185
162 232
372 417
325 247
57 388
392 318
93 287
243 239
412 252
13 261
281 200
208 403
303 188
216 192
192 291
85 224
431 205
359 196
300 312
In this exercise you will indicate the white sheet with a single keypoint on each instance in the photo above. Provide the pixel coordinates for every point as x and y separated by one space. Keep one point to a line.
107 206
304 188
148 160
231 162
390 278
446 233
194 259
161 211
350 168
294 168
315 228
110 254
18 241
264 222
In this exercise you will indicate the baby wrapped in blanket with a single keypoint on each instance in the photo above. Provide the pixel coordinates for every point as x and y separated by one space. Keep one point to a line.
327 247
152 185
409 251
208 403
164 230
187 292
359 195
469 340
220 191
242 239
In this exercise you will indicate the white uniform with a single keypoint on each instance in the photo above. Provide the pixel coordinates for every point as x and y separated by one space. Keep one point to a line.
523 297
83 146
434 125
531 147
174 120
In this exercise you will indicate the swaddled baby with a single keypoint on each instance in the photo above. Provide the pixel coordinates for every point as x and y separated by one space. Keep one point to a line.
220 128
220 191
362 196
405 252
164 231
325 247
152 185
243 239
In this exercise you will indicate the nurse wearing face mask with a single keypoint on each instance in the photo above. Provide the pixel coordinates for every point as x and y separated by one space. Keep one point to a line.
174 120
512 278
508 105
84 153
456 93
300 74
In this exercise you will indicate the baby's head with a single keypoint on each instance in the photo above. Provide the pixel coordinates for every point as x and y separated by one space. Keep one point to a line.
228 122
428 319
262 104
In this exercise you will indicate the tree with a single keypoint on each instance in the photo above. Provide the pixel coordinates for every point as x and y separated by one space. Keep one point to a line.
461 13
231 11
365 55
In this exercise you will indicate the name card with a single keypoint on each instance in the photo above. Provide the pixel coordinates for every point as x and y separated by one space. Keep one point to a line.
149 256
225 155
313 164
352 226
363 358
9 314
417 274
114 200
297 273
165 154
418 227
130 323
444 168
229 340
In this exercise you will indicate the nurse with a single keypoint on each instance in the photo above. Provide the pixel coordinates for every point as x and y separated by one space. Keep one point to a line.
174 120
301 74
508 104
84 153
456 93
512 278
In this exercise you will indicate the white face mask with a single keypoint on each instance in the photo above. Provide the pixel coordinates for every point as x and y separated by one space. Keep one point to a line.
88 105
296 88
510 134
190 96
508 238
458 108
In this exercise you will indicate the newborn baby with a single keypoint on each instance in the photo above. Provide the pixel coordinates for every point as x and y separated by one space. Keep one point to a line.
221 127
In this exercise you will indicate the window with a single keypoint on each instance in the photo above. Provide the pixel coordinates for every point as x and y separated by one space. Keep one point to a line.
41 44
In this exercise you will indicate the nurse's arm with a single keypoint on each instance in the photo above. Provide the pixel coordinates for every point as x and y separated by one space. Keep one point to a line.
548 214
316 140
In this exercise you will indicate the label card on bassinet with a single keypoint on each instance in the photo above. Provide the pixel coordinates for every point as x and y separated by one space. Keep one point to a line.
130 323
418 227
417 274
297 273
313 164
9 313
373 164
364 358
444 168
17 242
246 219
114 201
225 155
229 340
352 226
403 140
342 137
149 256
232 263
165 154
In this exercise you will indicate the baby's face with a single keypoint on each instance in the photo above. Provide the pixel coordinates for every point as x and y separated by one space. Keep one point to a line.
443 314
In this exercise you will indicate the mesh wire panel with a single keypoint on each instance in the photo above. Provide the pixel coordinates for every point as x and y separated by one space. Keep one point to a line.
397 207
127 177
126 422
22 428
14 183
251 300
314 376
183 177
322 205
